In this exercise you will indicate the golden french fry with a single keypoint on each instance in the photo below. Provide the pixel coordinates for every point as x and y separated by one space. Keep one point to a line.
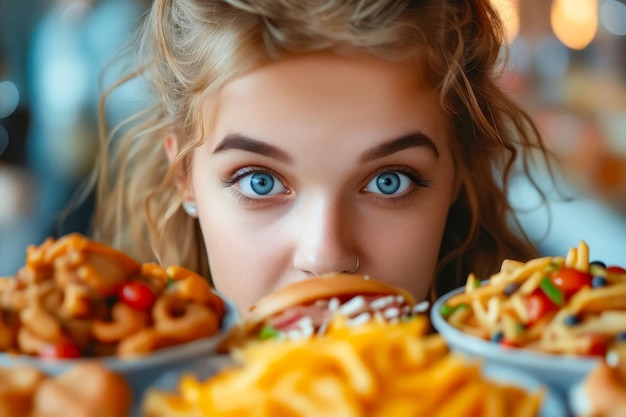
528 405
354 370
154 402
493 311
459 316
529 268
323 396
498 277
509 266
595 300
608 322
470 284
481 316
531 283
440 381
480 332
582 259
481 294
571 258
494 402
518 306
407 405
466 402
510 327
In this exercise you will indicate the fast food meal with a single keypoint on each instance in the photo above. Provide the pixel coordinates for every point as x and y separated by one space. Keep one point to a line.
555 305
88 389
306 308
76 297
603 392
374 369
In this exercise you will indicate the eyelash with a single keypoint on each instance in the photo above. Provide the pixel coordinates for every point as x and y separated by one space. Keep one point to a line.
243 172
411 174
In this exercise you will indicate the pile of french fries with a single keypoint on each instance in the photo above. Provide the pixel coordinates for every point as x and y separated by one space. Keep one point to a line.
378 369
591 321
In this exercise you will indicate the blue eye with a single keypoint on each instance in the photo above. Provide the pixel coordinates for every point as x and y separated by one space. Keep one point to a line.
388 183
260 184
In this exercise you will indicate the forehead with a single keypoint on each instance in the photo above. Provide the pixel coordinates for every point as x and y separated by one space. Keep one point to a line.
324 94
327 76
330 69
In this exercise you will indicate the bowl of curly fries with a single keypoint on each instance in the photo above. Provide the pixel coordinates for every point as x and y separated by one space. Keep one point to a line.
78 300
554 317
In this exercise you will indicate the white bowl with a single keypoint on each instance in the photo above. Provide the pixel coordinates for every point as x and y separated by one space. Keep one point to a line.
560 372
578 400
202 369
143 371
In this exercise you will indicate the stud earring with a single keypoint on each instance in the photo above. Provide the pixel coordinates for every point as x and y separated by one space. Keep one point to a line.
190 208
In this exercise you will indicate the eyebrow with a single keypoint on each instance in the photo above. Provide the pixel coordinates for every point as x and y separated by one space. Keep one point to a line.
411 140
244 143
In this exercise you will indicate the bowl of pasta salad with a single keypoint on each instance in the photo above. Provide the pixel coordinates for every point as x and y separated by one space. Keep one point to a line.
77 300
555 317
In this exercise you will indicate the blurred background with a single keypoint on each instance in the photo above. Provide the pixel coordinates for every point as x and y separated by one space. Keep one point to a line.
567 68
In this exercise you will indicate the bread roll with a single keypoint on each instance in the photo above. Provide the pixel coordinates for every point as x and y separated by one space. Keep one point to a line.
86 390
17 388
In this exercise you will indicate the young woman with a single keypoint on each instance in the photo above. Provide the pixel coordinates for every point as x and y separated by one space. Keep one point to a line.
289 139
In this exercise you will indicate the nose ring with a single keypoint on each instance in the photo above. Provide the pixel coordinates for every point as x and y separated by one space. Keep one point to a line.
356 266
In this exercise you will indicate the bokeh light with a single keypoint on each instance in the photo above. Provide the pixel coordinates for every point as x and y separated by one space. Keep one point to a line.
574 22
613 17
9 98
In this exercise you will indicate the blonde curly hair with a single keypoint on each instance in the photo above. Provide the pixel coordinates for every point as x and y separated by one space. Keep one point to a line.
186 50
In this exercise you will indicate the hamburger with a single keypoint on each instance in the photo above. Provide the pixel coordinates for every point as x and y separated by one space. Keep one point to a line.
306 308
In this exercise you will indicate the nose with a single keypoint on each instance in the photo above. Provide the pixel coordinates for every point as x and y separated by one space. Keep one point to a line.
325 240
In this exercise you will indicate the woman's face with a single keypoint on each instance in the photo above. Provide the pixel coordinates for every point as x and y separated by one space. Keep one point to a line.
317 159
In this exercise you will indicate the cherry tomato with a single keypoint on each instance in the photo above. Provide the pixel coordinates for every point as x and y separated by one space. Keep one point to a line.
570 280
538 305
598 344
137 295
508 343
60 351
614 269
